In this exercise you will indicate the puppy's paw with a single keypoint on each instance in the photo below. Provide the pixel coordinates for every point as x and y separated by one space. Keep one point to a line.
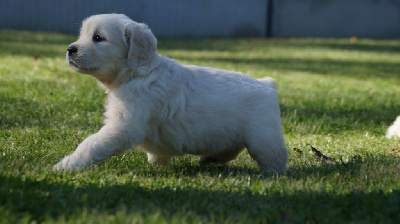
68 163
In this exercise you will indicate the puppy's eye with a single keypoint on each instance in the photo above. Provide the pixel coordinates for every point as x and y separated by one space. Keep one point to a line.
98 38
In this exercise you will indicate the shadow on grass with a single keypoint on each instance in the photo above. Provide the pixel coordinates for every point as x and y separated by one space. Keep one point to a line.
320 66
295 172
44 199
40 38
315 66
385 48
243 44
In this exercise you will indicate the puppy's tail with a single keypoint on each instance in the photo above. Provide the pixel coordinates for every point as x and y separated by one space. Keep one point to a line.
270 82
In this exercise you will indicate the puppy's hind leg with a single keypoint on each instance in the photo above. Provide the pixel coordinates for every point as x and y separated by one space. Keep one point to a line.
268 149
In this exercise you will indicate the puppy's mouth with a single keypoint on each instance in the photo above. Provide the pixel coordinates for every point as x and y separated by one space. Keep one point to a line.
79 68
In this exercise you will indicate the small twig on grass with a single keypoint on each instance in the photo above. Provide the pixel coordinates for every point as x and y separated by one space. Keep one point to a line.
321 156
317 154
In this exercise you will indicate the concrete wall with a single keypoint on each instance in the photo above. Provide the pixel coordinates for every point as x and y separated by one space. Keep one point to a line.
176 18
216 18
336 18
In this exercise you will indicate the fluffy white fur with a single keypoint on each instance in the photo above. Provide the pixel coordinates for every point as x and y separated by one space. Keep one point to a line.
170 109
394 130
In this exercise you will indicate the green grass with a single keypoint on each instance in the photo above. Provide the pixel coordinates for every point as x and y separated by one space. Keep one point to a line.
336 95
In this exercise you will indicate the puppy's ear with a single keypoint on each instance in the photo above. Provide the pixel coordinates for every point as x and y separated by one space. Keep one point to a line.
142 44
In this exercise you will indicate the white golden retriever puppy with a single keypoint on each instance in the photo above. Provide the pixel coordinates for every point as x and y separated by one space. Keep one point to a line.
394 130
170 109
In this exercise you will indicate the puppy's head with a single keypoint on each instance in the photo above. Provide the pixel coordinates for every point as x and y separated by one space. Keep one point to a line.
111 44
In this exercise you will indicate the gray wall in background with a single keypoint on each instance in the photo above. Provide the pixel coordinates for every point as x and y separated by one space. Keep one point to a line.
166 18
336 18
216 18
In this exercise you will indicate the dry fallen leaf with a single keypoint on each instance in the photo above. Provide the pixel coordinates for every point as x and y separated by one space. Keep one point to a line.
393 151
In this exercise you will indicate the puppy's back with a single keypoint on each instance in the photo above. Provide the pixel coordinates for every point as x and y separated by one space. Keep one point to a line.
270 82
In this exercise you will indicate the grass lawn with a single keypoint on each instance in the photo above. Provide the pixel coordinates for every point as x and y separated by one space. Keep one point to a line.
337 95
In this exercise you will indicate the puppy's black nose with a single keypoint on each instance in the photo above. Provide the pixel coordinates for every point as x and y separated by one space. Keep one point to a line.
72 50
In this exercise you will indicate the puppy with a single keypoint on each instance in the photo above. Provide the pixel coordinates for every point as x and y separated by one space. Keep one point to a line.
394 129
170 109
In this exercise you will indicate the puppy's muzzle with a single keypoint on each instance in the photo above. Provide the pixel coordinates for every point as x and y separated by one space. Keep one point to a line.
72 50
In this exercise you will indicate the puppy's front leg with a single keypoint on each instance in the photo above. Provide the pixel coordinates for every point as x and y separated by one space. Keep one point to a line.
97 147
